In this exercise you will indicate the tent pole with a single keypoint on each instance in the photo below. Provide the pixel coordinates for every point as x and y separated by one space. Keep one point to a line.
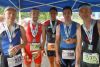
19 12
74 3
13 4
19 17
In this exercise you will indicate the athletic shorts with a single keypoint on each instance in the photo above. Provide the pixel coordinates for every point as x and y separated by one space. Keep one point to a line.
83 64
51 53
67 63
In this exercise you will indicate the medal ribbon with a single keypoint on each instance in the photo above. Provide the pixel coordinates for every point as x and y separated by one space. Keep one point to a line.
9 34
67 30
89 32
53 27
34 31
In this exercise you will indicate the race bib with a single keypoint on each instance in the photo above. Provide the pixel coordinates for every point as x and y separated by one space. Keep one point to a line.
34 46
51 47
15 61
92 58
68 54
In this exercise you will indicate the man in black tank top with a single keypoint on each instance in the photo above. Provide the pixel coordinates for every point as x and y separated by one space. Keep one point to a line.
87 53
49 33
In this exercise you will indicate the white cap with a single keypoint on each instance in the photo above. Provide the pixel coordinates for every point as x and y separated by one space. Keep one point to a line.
8 8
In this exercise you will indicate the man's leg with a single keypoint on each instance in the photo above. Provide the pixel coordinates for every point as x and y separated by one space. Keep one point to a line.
64 63
56 65
51 57
38 60
72 63
4 62
83 64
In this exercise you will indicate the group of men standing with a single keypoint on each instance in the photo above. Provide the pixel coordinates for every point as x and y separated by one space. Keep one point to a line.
69 44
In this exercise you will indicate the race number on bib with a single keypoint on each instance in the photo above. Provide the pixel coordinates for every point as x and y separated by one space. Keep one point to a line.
15 61
68 54
51 47
92 58
34 46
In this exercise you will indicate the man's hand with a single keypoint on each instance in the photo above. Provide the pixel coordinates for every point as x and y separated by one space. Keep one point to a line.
77 65
37 54
13 50
58 59
26 57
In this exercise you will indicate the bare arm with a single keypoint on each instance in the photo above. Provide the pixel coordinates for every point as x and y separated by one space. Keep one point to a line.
23 35
57 41
24 39
43 37
78 46
99 27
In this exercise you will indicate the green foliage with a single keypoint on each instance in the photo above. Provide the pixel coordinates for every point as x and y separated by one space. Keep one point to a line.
44 16
1 10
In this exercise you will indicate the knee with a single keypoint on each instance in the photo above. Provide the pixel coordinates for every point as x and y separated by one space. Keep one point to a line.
51 60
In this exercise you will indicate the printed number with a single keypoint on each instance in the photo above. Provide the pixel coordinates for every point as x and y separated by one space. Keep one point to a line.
91 58
36 46
17 59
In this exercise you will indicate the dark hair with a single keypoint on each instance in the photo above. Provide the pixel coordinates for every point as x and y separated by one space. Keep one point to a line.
84 4
53 8
67 7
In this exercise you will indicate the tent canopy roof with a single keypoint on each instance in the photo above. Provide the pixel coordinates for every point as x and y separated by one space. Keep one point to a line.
44 5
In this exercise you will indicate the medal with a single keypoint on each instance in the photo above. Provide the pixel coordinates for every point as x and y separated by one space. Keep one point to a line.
34 31
53 28
67 30
90 47
53 35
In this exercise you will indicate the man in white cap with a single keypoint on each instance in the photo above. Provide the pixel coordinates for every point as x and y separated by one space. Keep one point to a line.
10 39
